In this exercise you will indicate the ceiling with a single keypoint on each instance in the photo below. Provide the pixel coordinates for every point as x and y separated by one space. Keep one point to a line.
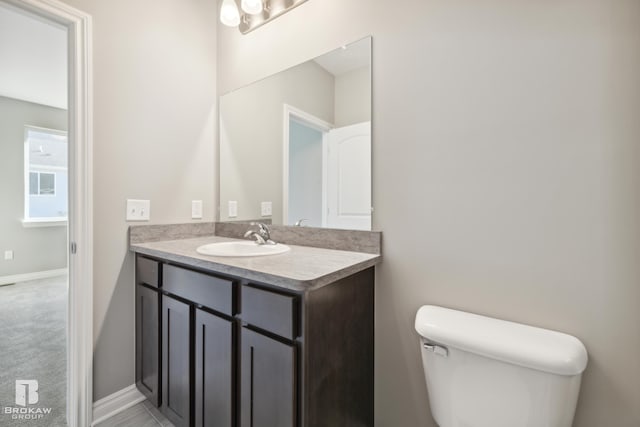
346 58
33 58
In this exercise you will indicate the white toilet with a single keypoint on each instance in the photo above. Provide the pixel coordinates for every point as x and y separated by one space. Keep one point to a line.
485 372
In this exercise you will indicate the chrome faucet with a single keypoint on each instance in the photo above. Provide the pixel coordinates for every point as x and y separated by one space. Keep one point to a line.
262 234
300 221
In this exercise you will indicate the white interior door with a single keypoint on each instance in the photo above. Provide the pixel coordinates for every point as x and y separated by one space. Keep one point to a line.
349 177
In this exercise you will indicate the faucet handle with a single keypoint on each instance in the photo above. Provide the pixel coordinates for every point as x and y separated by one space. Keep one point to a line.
300 221
259 239
262 235
263 227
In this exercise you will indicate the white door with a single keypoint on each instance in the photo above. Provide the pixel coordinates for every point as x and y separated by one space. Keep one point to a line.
349 177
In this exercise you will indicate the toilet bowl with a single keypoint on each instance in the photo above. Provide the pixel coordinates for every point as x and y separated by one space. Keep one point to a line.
485 372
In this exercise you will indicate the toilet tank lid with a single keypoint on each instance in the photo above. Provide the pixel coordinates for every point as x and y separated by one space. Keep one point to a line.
523 345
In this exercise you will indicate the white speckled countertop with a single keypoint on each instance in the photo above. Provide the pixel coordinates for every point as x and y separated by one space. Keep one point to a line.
302 268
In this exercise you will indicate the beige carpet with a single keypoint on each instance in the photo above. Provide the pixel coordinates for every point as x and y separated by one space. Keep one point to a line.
33 347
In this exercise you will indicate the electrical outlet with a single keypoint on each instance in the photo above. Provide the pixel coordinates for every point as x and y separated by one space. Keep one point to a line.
8 255
196 209
266 208
138 210
233 209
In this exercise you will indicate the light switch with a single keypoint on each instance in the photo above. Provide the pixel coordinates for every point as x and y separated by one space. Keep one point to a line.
266 209
233 209
138 210
196 209
8 255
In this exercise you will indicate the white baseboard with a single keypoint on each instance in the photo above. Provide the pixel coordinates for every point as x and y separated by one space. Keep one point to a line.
115 403
16 278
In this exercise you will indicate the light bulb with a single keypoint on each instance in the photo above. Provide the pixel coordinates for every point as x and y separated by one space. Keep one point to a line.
229 14
252 7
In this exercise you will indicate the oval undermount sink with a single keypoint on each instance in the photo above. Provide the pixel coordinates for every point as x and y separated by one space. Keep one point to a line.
241 249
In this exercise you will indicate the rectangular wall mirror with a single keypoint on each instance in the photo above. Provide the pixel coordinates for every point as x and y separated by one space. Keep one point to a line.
295 147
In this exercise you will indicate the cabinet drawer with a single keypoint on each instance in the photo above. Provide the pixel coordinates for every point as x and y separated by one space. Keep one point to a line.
147 271
209 291
274 312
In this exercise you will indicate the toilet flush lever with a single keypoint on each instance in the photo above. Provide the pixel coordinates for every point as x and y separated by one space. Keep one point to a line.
437 349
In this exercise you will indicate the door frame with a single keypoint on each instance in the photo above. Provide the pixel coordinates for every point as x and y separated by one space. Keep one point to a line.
80 217
293 113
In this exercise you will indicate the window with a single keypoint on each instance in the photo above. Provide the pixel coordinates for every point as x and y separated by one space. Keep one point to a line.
42 183
46 177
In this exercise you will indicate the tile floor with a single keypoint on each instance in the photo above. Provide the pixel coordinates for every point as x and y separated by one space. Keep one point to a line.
141 415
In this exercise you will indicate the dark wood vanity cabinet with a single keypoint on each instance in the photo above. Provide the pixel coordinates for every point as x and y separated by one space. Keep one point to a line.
197 330
148 350
268 381
176 361
268 370
233 353
214 370
184 352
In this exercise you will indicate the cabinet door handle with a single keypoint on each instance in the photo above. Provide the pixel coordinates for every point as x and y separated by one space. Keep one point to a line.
251 391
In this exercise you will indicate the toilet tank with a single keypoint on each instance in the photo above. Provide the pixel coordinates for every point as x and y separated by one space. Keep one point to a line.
485 372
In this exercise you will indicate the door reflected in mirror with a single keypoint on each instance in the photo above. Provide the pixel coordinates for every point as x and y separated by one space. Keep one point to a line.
295 148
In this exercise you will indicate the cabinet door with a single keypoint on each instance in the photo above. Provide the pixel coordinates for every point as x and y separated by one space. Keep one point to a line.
176 361
148 343
268 382
214 371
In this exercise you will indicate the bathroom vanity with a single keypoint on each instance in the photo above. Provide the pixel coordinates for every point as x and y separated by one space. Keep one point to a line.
275 341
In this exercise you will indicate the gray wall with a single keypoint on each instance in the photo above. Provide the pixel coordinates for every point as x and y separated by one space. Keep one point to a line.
251 123
35 249
155 122
353 97
506 147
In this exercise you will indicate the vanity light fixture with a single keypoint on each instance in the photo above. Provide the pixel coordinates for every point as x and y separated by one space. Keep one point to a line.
254 13
229 14
252 7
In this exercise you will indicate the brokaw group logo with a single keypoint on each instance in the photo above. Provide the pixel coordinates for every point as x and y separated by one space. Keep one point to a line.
26 394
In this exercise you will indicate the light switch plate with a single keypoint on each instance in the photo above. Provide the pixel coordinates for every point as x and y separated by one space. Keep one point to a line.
138 210
196 209
8 255
233 209
266 208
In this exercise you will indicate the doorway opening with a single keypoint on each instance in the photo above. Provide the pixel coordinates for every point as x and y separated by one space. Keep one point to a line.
326 172
304 168
33 218
45 219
